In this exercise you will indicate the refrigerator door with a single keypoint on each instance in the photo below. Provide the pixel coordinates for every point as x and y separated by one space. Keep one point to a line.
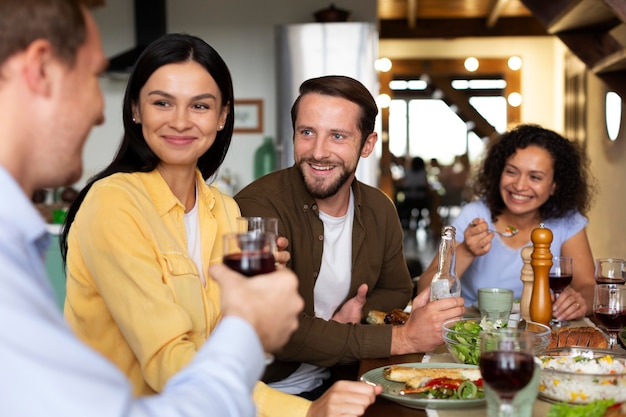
315 49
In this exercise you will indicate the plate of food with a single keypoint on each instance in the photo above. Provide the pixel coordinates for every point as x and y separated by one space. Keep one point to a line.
429 385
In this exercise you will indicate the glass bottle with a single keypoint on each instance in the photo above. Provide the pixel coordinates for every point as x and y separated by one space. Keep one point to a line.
445 283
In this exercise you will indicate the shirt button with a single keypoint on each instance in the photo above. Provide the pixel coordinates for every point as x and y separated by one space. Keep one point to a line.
314 206
320 237
306 206
315 274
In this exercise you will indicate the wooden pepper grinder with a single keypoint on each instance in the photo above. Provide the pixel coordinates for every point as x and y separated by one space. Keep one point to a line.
541 261
527 278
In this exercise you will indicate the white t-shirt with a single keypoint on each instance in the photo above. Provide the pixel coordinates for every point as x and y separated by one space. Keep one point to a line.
331 289
194 244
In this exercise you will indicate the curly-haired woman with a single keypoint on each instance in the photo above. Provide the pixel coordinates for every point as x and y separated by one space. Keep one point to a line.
529 176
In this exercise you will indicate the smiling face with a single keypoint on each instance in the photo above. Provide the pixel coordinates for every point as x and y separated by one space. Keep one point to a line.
527 180
180 109
327 144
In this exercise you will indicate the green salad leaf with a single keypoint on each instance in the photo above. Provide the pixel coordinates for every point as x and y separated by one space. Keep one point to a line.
593 409
467 334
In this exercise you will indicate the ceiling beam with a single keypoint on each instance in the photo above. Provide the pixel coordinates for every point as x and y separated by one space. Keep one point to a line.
460 28
496 11
411 13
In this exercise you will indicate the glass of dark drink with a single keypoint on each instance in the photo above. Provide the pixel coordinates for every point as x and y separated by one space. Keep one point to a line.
609 309
559 278
507 364
250 253
610 271
259 224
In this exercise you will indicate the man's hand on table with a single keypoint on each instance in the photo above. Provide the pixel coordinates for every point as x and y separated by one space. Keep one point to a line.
423 330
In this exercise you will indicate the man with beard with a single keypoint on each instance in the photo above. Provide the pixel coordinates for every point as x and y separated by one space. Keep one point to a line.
345 243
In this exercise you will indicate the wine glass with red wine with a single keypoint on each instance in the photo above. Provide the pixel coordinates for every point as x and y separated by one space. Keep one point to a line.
559 278
610 271
250 253
609 308
507 364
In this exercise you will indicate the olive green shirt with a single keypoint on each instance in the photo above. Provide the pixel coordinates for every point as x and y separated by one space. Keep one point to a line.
377 260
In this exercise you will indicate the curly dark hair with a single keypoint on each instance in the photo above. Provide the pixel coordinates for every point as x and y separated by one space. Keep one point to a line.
573 191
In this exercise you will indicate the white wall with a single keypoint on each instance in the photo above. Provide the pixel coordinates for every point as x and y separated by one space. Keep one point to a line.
242 32
542 72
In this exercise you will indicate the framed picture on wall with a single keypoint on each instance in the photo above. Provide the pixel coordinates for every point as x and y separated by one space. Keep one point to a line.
249 116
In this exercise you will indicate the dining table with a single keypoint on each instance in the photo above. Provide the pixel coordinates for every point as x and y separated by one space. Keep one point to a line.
384 407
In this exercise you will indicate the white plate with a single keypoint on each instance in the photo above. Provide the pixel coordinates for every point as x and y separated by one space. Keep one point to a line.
391 390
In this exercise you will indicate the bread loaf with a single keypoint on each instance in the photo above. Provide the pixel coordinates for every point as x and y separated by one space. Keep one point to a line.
568 336
395 316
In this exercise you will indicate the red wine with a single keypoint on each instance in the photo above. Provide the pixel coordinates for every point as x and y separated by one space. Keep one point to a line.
607 280
559 282
610 318
506 372
251 263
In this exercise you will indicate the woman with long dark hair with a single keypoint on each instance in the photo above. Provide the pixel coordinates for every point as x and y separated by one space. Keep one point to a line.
140 237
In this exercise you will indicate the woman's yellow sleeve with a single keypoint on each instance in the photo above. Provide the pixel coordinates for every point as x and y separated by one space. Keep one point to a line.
273 403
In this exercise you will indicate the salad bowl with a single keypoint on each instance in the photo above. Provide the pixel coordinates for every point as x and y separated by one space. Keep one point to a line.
462 336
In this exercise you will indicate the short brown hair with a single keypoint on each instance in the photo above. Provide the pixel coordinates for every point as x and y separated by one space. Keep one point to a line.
344 87
61 22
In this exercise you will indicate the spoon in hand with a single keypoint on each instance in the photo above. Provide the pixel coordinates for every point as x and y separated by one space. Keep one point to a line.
510 231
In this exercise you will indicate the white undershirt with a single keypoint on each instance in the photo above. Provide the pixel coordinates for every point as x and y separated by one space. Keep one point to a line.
331 289
194 244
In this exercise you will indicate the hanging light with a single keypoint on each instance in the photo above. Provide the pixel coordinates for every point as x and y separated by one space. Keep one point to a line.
382 64
383 101
515 99
471 64
514 63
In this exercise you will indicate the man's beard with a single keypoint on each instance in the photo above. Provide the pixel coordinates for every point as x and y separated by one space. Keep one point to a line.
316 187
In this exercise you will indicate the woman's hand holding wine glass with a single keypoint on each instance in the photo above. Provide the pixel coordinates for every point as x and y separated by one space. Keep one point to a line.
559 278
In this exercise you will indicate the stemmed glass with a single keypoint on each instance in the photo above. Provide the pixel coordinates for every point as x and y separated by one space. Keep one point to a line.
609 308
250 253
259 224
610 271
507 364
559 278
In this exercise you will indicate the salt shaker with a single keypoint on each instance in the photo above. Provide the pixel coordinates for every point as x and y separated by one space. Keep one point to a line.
527 276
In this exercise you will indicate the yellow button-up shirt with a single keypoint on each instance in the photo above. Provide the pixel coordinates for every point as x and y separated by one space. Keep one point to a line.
133 291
